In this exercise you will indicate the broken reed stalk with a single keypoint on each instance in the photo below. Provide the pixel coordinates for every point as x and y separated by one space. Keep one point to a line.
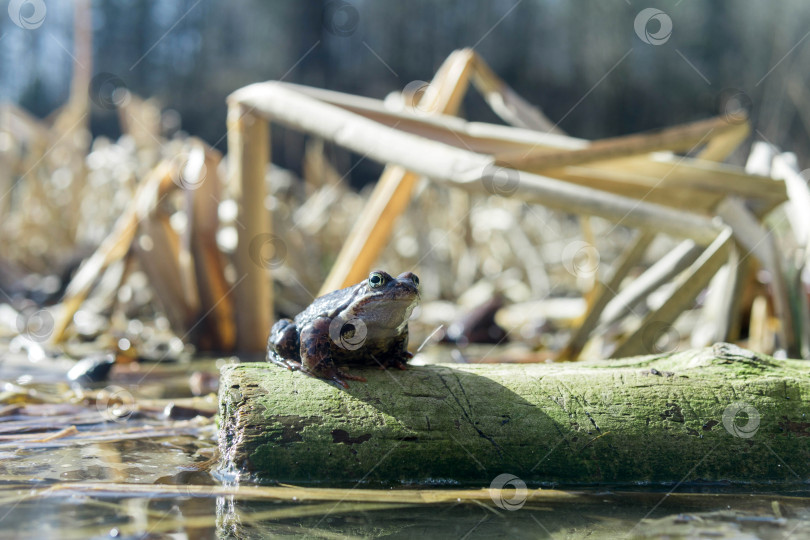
373 227
666 268
249 154
392 192
754 239
678 138
658 323
507 103
200 240
694 184
461 168
113 248
157 247
605 292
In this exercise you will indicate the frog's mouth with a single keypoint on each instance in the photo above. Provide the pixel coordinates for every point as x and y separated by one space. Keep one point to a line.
392 311
405 294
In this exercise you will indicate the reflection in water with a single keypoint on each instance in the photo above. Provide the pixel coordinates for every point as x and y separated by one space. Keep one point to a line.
633 515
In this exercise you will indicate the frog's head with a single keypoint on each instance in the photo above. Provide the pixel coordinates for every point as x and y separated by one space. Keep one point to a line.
385 300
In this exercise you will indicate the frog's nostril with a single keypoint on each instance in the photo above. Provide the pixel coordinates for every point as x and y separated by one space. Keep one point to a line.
410 276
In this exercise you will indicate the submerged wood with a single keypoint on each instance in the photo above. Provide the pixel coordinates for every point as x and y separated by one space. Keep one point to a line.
661 420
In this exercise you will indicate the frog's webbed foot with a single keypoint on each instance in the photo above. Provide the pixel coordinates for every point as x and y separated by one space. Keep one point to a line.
401 361
397 360
338 375
398 355
292 365
335 375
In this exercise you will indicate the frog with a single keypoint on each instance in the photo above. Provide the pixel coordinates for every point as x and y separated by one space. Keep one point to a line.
362 325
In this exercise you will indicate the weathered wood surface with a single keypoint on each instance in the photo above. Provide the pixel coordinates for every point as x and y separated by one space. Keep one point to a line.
664 419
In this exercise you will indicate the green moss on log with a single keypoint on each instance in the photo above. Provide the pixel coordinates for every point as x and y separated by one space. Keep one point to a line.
663 419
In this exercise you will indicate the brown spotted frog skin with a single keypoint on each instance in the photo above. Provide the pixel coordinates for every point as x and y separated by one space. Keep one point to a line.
366 324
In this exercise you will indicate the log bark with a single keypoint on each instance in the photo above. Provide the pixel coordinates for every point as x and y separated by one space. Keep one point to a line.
721 414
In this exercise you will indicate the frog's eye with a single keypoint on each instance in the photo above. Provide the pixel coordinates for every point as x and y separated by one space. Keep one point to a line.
376 279
415 279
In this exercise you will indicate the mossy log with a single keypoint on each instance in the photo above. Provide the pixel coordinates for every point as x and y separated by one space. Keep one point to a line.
722 414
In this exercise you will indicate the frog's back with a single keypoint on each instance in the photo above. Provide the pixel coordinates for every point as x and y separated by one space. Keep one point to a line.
325 306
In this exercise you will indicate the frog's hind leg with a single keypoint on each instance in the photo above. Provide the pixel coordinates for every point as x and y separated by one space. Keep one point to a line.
316 354
283 345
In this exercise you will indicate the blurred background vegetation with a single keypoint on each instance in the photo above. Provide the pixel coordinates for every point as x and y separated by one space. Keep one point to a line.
580 61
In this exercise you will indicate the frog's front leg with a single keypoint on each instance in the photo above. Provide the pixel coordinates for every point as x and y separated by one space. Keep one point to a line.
398 354
283 346
316 355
